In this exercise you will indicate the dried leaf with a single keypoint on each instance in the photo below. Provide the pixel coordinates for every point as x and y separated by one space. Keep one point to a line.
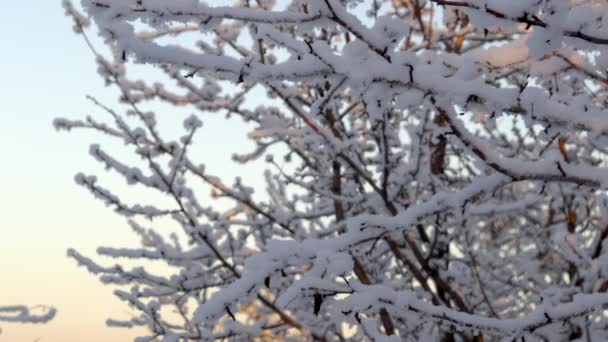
561 141
317 305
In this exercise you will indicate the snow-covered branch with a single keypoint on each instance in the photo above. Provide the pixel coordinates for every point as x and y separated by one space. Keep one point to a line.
434 170
24 314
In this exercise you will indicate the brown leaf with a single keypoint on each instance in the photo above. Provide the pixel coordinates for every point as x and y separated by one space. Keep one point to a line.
458 40
561 142
571 217
438 148
438 155
478 338
317 304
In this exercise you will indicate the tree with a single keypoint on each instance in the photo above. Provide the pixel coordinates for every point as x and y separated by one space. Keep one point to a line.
436 168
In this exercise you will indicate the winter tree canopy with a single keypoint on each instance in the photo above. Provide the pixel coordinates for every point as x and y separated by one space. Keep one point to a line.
436 169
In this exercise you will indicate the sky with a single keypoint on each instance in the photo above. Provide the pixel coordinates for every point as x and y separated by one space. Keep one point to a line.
46 71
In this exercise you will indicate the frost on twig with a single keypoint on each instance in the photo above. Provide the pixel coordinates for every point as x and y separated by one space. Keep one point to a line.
23 314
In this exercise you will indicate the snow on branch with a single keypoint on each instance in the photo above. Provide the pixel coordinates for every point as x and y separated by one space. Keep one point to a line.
23 314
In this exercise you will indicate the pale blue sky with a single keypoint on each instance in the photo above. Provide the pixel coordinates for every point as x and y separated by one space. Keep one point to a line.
45 70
